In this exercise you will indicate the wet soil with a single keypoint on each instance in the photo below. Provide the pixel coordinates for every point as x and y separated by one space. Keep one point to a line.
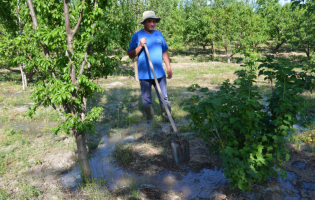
147 161
196 174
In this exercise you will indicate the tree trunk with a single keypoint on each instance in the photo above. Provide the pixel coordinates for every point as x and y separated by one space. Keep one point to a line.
30 76
278 47
204 46
83 156
24 80
227 55
212 48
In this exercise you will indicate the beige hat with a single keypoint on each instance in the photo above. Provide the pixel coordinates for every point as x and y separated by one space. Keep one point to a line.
149 14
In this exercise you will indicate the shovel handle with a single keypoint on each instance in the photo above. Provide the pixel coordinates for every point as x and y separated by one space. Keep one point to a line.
159 90
135 62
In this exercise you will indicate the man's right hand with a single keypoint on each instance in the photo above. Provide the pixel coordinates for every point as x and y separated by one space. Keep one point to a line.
143 41
135 52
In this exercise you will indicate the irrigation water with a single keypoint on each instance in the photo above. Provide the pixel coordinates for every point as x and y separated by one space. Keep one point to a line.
207 183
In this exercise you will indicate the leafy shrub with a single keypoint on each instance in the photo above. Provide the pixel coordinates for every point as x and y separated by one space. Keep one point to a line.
249 137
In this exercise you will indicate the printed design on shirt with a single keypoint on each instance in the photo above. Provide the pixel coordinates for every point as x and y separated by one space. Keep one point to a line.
159 41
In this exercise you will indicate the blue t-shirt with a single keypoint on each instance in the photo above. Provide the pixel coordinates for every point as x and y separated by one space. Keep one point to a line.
156 45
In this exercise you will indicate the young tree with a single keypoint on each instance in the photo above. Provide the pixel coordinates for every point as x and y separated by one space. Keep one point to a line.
173 24
303 24
279 17
11 26
238 28
65 42
199 25
123 18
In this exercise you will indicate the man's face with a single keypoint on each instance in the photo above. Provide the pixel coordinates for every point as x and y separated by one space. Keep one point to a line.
149 24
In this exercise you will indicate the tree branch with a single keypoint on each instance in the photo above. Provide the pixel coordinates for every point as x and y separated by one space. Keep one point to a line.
72 71
84 60
35 25
79 20
32 13
88 47
59 113
67 20
3 33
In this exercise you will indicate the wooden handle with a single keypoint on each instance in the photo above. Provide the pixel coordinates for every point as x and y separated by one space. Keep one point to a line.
135 62
159 90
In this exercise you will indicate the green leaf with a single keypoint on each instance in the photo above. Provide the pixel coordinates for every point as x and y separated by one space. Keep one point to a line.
287 157
260 148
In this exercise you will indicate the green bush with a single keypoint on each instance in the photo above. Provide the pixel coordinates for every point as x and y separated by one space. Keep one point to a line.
249 137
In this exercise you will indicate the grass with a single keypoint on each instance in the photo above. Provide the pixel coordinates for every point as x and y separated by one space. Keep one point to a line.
124 153
304 139
24 158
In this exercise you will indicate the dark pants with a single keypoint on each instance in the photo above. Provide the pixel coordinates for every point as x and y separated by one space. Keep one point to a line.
146 87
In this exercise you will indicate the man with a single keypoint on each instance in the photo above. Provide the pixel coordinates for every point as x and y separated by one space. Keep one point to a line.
158 50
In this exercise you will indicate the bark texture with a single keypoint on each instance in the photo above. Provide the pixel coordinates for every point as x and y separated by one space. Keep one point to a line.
24 80
83 156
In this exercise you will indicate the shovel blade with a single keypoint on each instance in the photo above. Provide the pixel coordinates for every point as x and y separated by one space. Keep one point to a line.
181 153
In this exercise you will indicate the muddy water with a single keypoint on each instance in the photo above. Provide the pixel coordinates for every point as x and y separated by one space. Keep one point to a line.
102 167
206 183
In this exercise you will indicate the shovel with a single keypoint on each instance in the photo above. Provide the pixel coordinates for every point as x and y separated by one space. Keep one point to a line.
180 148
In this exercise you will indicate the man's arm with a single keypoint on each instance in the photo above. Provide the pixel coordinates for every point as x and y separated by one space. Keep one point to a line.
166 59
133 53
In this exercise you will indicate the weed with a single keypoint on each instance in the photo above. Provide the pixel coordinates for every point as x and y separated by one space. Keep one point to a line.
94 190
306 137
155 125
31 191
45 114
135 194
3 195
14 136
185 128
130 98
124 153
3 162
134 117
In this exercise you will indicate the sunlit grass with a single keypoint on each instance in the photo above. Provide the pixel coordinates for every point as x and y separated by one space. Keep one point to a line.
23 154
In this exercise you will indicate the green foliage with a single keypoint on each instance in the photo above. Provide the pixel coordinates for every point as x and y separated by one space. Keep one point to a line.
200 27
122 21
238 28
249 137
279 19
304 25
56 87
67 45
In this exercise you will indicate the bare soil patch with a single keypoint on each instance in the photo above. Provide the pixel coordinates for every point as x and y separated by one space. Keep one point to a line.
152 153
